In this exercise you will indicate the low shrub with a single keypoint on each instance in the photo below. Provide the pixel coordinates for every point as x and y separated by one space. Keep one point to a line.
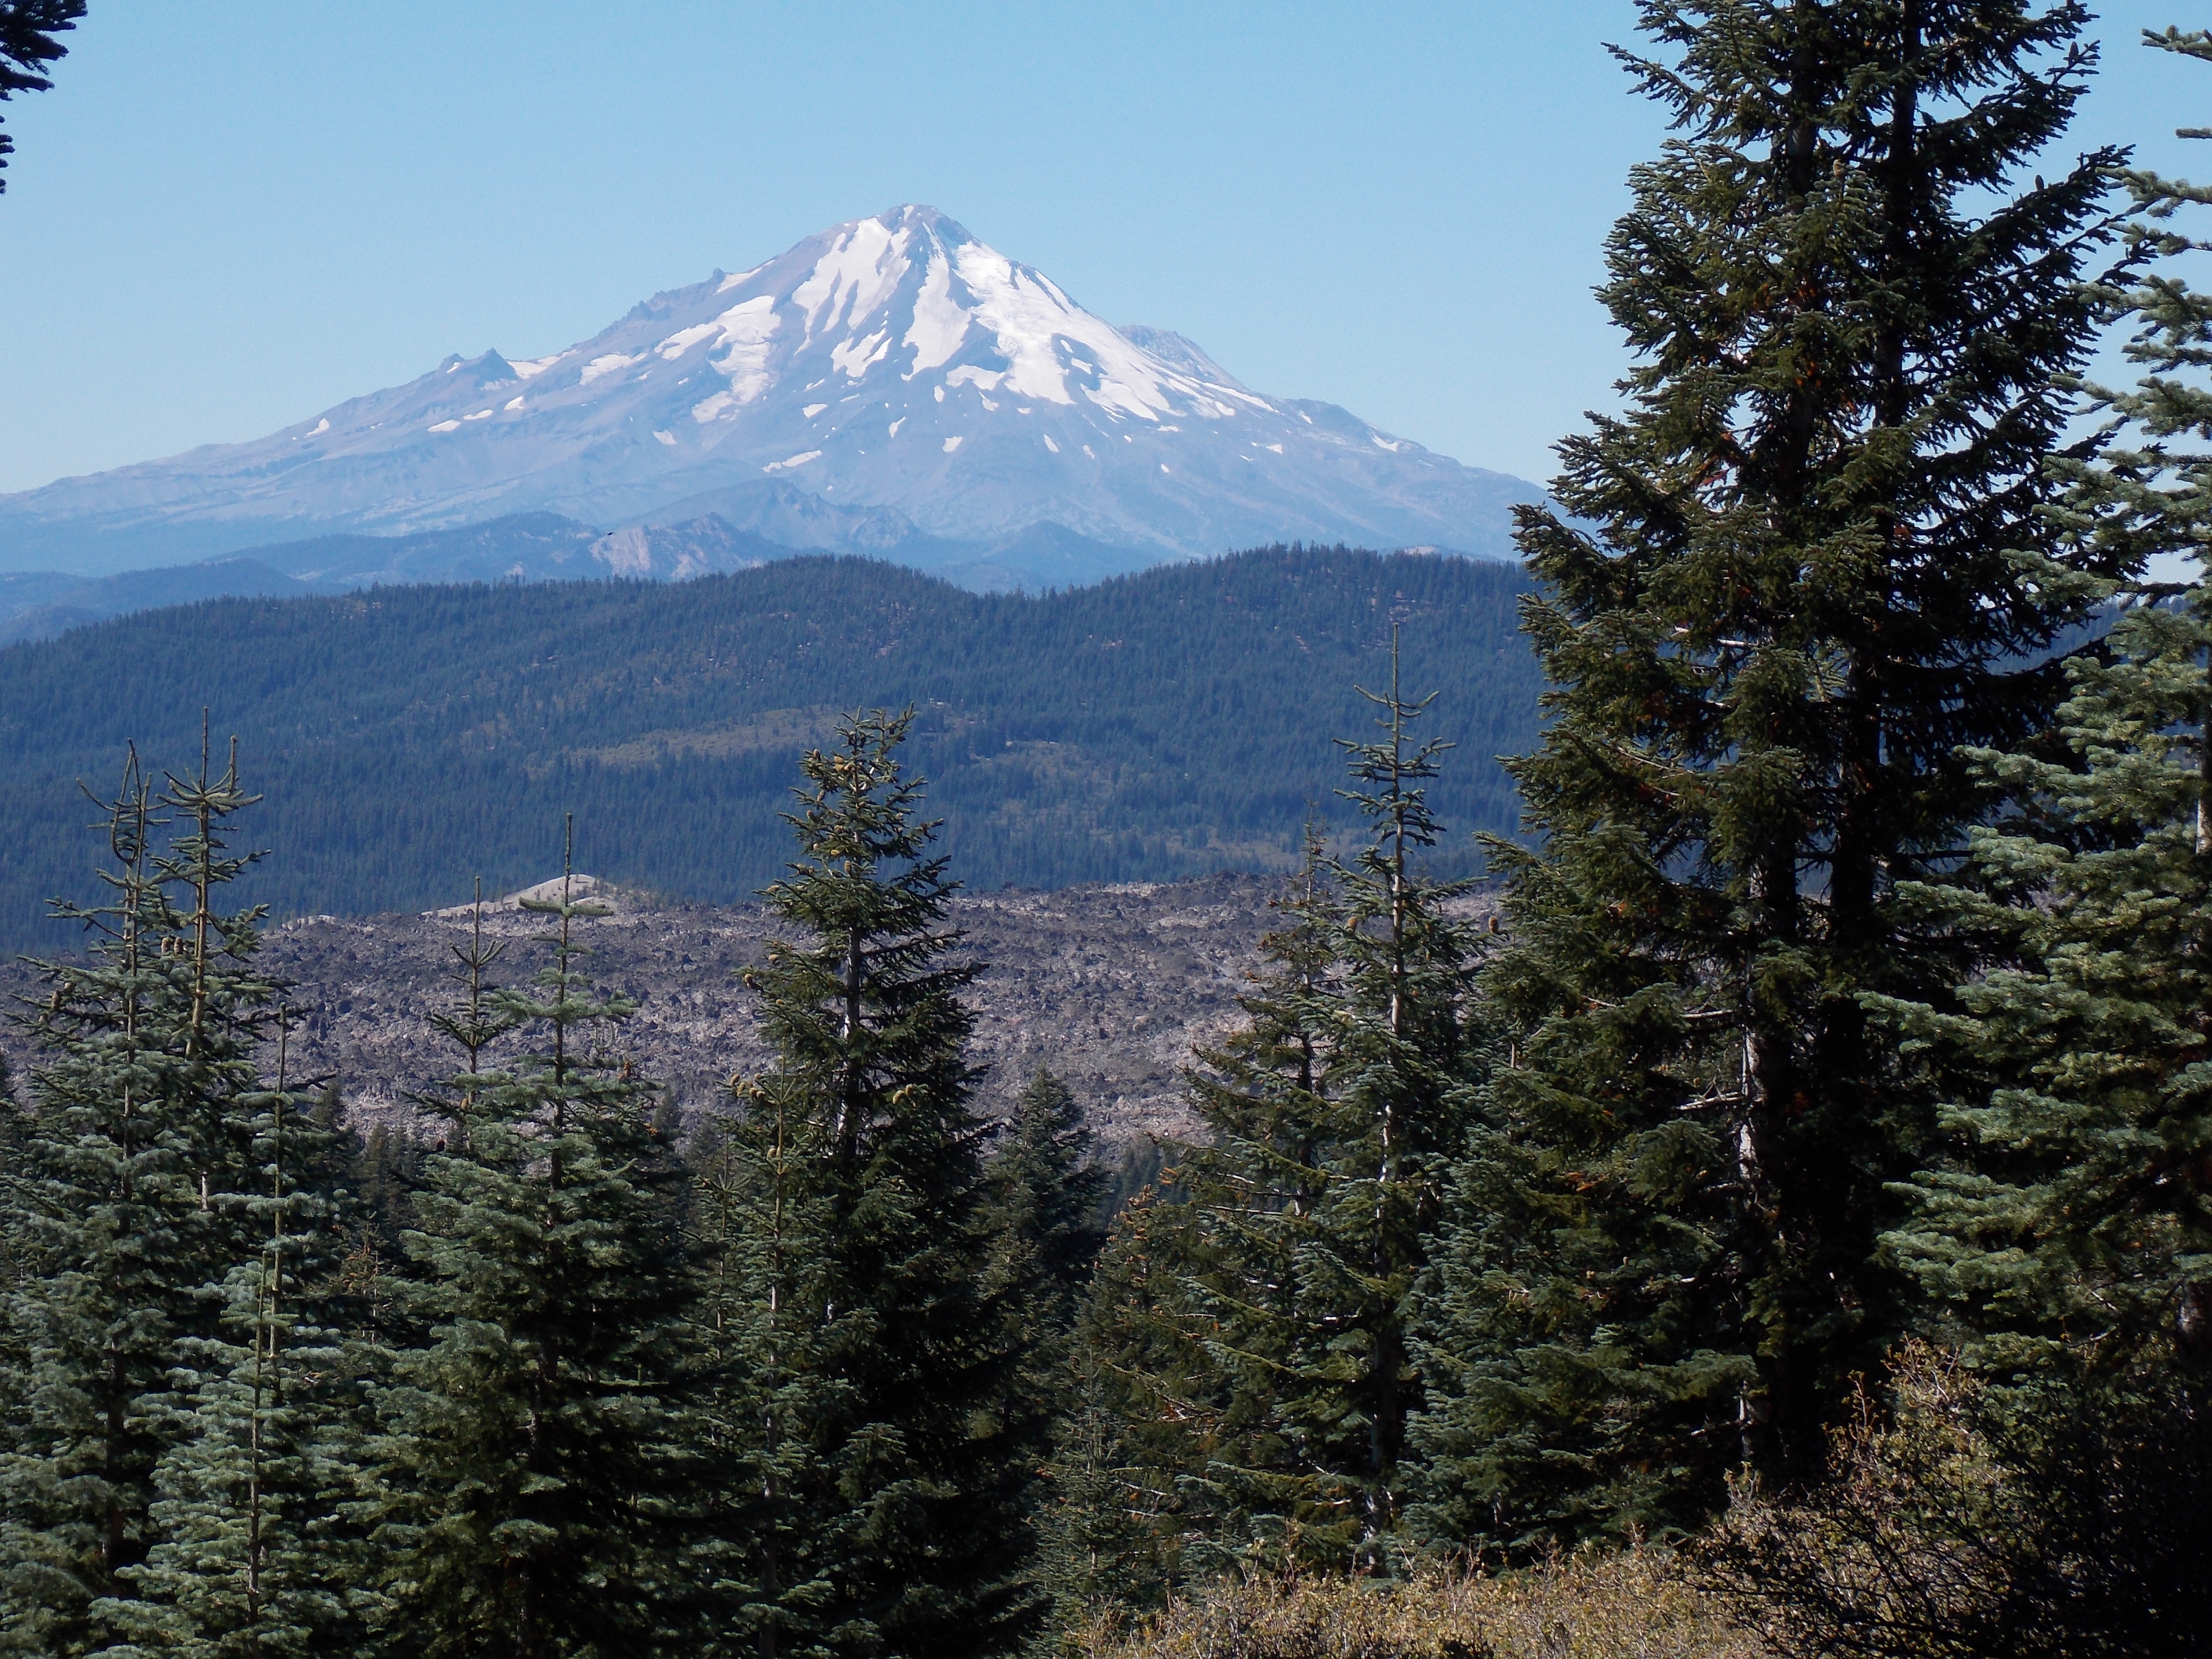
1634 1604
1960 1519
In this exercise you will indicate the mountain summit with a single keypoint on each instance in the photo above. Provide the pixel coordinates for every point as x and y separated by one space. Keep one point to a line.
890 363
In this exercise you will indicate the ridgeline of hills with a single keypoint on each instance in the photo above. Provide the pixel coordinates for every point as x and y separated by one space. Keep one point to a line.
735 529
409 738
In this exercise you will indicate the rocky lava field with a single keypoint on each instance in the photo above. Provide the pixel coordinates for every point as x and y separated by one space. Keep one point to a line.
1111 986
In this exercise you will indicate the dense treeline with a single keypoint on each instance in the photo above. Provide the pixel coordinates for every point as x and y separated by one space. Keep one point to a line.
1154 725
1807 1193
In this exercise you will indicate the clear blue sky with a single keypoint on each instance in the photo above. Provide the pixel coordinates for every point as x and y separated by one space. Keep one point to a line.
226 216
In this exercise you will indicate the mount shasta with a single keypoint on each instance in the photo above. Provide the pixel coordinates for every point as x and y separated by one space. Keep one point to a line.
891 386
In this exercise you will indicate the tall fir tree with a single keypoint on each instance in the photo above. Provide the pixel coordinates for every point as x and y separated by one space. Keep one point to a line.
1786 585
1170 1469
888 1488
16 1269
2069 1222
1046 1191
737 1472
1121 1527
135 1150
1335 1114
536 1464
14 1266
258 1555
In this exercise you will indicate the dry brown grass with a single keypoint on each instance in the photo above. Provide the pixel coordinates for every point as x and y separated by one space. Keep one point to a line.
1638 1604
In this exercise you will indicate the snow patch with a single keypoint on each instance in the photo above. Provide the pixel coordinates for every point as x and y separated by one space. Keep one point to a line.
1382 442
951 444
532 367
1048 444
729 283
940 322
668 438
855 356
896 425
799 459
1046 340
321 427
512 403
744 332
446 426
613 363
812 410
863 266
684 338
480 415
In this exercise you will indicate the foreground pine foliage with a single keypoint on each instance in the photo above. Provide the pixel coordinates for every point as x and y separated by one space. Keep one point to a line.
1638 1602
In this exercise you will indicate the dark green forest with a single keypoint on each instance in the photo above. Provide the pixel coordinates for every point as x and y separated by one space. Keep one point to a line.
1782 1226
411 738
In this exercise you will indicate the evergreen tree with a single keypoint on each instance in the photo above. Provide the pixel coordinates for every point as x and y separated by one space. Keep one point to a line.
1786 586
256 1555
1123 1526
134 1152
28 46
14 1131
888 1513
721 1561
1048 1190
2073 1219
16 1270
536 1468
1335 1113
1161 1475
386 1175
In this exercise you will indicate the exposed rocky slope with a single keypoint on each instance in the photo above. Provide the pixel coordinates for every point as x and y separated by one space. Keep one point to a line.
1112 986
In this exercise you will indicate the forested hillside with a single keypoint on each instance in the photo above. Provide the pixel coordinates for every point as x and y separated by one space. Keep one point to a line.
409 739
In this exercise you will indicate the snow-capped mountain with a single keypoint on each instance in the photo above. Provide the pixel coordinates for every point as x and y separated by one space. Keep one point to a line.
894 363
